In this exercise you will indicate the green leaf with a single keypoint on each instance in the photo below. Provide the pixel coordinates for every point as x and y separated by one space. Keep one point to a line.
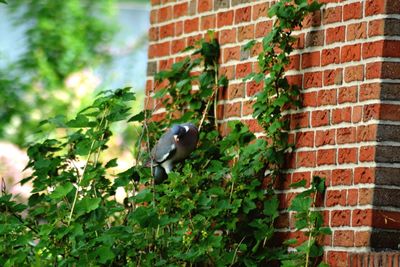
271 206
86 205
105 254
112 163
144 196
61 191
300 204
138 117
325 230
249 45
301 183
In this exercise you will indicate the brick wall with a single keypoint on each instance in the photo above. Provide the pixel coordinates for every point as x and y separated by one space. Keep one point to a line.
348 64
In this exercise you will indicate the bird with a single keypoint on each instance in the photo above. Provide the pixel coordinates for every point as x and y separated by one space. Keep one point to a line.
174 146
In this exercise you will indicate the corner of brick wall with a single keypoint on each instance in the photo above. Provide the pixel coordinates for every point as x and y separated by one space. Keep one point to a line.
348 63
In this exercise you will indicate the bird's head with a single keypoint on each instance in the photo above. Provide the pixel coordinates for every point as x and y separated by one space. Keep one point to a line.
178 131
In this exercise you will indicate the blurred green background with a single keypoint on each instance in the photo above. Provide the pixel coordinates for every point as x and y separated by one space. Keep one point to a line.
55 56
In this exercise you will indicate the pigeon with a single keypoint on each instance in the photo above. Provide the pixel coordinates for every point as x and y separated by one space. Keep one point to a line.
173 146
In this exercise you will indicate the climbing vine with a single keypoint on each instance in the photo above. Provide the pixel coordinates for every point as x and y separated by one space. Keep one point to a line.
218 208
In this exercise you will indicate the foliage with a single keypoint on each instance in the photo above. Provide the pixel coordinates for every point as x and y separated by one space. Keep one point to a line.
62 38
216 209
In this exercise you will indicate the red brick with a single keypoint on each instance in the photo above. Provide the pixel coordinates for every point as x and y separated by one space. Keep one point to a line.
357 31
315 38
352 11
191 25
299 44
326 157
335 197
343 238
386 48
331 15
178 45
253 88
204 5
167 30
346 135
166 64
351 53
227 36
208 22
312 79
362 217
294 63
154 34
384 70
309 60
153 16
178 28
320 118
348 94
376 27
312 20
354 73
246 32
225 18
336 34
366 133
260 10
305 159
357 114
352 197
340 218
386 219
295 80
390 112
159 50
309 99
164 14
324 138
243 14
364 175
253 125
232 110
362 239
228 72
340 115
326 97
180 9
367 153
373 7
247 108
235 91
347 155
231 53
298 176
263 28
332 77
365 196
342 177
330 56
192 40
305 139
300 120
243 69
370 91
371 112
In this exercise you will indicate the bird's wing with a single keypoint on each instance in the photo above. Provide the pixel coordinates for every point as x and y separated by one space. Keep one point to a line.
164 149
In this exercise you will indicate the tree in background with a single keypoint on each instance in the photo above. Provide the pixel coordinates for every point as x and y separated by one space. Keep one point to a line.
64 39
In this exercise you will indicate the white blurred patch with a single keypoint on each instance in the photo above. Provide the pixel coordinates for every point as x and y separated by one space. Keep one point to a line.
120 194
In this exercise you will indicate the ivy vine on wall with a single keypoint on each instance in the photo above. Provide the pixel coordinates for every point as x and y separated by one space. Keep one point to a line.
216 209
